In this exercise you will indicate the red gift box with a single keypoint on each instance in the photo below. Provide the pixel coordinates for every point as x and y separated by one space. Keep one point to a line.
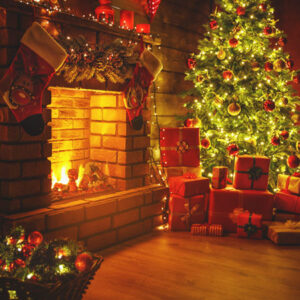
179 147
187 187
219 178
251 172
286 201
223 202
185 211
249 225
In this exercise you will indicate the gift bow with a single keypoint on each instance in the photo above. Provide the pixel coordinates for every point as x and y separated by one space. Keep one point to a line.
249 228
255 173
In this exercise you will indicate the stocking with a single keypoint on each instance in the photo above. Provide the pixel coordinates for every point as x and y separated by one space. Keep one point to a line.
137 90
22 86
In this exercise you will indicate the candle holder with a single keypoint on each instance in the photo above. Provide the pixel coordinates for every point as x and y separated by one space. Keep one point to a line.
105 13
126 19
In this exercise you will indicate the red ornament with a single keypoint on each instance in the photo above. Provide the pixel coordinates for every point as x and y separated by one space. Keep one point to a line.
83 262
20 263
241 11
233 42
282 41
290 64
268 66
188 123
205 143
297 78
153 6
275 141
35 238
213 24
285 135
268 30
227 75
233 149
191 63
104 12
269 105
293 161
262 7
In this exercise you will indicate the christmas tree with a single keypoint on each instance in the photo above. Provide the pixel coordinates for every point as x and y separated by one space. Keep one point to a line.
242 92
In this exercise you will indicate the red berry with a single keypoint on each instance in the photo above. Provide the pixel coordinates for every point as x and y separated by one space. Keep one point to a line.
191 63
205 143
268 30
268 66
284 134
241 11
275 141
188 122
83 262
227 75
213 24
269 105
233 149
293 161
233 42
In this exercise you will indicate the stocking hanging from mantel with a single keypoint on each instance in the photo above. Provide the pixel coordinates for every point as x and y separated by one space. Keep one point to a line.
38 58
137 90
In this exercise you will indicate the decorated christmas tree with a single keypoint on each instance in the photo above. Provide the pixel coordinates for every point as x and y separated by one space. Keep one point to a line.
242 95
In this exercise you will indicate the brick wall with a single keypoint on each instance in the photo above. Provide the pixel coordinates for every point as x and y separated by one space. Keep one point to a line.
98 222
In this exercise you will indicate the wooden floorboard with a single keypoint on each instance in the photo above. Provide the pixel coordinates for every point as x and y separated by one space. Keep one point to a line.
176 265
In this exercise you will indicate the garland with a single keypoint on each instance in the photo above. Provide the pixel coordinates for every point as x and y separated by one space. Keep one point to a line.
114 62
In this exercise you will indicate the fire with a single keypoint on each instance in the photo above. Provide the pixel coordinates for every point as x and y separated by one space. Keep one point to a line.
63 178
80 174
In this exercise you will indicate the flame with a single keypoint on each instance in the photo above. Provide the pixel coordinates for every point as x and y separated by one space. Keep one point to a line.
80 174
63 178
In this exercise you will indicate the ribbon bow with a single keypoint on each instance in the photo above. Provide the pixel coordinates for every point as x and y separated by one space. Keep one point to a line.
250 228
255 173
182 146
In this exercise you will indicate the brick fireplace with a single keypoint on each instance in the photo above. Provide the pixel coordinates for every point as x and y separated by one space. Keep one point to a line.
86 124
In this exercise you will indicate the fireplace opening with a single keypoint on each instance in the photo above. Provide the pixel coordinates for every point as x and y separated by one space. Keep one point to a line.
94 150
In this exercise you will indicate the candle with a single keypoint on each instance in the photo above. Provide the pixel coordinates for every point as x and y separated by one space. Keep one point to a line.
126 19
143 28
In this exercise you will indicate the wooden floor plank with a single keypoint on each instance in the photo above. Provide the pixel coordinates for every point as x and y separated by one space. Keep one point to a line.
178 266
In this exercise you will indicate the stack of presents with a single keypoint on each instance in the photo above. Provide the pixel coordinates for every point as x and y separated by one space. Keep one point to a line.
212 208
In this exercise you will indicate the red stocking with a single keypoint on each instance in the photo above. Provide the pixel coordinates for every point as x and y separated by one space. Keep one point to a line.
36 61
137 90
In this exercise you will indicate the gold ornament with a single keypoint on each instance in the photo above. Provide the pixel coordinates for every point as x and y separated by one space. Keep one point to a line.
200 78
283 101
255 66
298 146
278 65
234 109
218 100
221 54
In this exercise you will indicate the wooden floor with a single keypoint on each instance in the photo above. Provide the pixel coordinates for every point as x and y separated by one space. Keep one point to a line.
171 265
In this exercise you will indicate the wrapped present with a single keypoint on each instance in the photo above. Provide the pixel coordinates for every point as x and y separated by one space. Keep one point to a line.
180 147
251 172
219 177
207 229
286 201
289 183
287 233
283 217
222 203
249 225
185 211
188 185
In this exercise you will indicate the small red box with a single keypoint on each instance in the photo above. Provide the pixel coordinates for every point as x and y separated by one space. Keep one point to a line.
180 147
249 225
286 201
185 211
223 202
251 172
187 187
219 178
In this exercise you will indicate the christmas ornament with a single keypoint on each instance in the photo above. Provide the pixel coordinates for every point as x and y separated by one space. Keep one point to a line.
213 24
255 66
275 141
293 161
221 54
234 109
282 41
268 66
284 101
284 134
205 143
35 238
188 123
290 64
136 91
233 149
297 78
267 30
200 78
153 6
262 7
218 100
227 75
233 42
191 62
38 58
269 105
279 65
83 262
241 11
